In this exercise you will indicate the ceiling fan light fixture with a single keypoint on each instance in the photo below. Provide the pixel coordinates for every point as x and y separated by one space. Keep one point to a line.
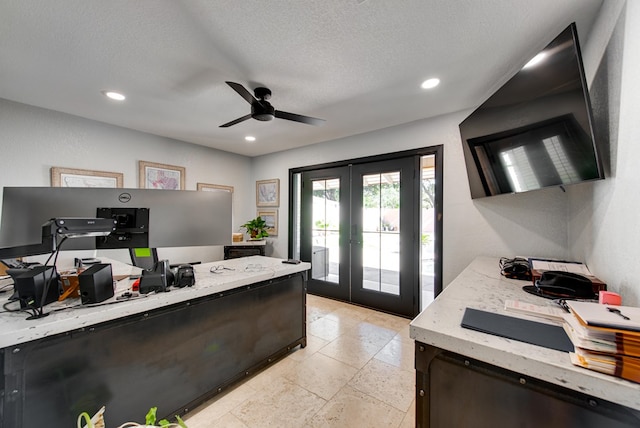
117 96
430 83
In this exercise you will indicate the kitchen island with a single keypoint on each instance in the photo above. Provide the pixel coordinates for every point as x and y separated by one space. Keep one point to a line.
172 350
469 378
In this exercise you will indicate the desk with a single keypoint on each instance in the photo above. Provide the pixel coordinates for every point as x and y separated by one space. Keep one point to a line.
172 350
468 378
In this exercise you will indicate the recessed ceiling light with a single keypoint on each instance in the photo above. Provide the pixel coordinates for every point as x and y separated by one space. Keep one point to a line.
114 95
250 138
535 60
430 83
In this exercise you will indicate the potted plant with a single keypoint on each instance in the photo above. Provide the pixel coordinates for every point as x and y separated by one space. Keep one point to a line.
256 228
97 421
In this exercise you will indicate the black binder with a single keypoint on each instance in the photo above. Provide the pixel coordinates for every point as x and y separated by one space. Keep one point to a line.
522 330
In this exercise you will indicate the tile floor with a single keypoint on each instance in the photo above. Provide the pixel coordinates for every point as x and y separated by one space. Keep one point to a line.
356 371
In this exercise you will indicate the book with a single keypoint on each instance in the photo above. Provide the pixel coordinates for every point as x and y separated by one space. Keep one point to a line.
616 365
621 318
600 341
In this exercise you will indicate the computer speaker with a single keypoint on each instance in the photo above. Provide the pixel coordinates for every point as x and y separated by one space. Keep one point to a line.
31 285
96 284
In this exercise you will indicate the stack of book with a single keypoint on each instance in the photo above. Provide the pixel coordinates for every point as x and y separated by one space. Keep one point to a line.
605 338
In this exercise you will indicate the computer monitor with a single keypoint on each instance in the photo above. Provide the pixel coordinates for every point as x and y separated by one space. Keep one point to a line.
176 218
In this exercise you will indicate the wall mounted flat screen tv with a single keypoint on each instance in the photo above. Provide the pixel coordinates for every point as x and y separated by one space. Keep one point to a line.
536 130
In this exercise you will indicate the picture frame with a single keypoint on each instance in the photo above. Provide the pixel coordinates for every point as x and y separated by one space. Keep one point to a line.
271 218
206 187
152 175
268 193
73 177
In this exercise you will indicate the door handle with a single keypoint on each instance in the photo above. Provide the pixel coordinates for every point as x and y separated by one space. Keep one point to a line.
355 237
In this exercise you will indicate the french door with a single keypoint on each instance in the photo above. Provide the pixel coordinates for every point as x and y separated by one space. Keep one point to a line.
360 230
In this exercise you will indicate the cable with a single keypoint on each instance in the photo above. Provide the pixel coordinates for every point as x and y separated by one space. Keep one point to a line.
515 268
38 312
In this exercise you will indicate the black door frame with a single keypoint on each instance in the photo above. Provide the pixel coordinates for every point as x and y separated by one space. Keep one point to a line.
438 151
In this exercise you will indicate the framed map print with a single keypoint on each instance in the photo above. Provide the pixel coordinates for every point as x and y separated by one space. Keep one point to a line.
70 177
160 176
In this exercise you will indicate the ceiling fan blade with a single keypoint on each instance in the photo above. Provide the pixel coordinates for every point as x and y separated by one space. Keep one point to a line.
242 91
299 118
238 120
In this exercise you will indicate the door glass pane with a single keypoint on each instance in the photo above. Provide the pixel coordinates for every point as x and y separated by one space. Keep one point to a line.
427 222
325 250
380 232
296 202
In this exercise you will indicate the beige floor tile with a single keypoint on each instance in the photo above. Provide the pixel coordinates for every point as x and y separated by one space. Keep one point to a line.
282 405
351 350
219 406
322 375
323 302
352 408
263 379
350 311
388 321
227 421
329 329
403 334
397 353
372 333
387 383
409 420
314 344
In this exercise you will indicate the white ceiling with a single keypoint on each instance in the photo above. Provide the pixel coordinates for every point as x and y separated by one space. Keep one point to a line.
356 63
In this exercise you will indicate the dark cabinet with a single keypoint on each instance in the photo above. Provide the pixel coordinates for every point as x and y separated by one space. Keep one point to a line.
236 251
453 390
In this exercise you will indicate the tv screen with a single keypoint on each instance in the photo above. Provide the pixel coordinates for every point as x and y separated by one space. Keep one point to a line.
536 130
175 218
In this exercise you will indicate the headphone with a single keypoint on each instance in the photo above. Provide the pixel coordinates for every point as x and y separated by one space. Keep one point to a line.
516 268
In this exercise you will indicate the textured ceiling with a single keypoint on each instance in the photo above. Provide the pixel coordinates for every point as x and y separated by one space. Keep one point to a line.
358 64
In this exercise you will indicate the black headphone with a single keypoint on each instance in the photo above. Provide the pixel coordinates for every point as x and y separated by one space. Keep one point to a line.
516 268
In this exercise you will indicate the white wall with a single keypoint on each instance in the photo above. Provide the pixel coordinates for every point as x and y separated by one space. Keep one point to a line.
527 224
603 220
34 139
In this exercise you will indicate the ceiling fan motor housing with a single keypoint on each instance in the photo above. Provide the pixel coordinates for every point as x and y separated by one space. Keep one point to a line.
262 110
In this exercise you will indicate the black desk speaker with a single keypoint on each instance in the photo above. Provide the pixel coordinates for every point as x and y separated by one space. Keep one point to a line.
31 285
96 284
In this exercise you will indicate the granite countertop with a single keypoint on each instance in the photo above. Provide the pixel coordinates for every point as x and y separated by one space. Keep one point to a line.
480 286
71 315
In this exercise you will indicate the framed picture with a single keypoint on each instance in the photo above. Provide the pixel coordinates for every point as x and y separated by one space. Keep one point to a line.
268 193
69 177
160 176
214 187
271 218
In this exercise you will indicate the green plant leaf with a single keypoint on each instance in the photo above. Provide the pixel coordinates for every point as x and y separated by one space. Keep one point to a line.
150 419
181 422
164 423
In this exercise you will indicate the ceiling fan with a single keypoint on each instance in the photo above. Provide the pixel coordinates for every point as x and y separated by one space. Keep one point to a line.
262 110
